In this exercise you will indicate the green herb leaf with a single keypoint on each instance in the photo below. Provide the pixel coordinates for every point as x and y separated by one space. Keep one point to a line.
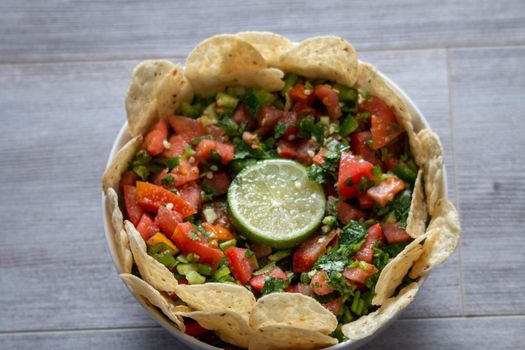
272 285
352 233
167 180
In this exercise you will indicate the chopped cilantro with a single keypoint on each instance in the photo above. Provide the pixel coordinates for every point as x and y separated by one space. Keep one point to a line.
400 206
229 126
273 285
280 129
255 99
308 128
167 180
352 233
194 236
328 170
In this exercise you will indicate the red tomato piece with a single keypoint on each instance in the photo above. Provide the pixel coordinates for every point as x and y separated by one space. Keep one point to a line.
242 116
386 190
177 146
218 184
242 266
391 163
261 250
298 150
257 282
365 201
310 250
298 94
188 241
347 212
320 284
330 99
301 108
194 329
205 147
151 197
167 220
352 169
366 253
191 193
300 288
291 131
184 173
225 151
361 146
128 178
395 234
358 274
133 210
268 118
334 306
286 149
385 127
154 140
187 128
146 227
319 157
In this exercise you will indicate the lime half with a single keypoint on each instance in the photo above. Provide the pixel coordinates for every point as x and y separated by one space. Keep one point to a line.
274 202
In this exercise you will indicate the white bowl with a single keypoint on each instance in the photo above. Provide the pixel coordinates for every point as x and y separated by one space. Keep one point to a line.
123 137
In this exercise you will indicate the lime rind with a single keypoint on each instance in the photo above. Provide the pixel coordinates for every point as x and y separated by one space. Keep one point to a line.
274 202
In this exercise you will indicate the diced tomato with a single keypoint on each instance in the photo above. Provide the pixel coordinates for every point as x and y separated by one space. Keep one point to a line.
330 99
352 168
189 243
261 250
191 193
319 157
194 329
220 233
186 127
133 210
366 253
358 274
300 288
301 108
295 150
177 146
298 94
268 118
291 131
320 284
286 149
151 197
334 306
257 282
391 163
242 116
128 178
146 227
184 173
347 212
386 190
167 220
241 265
205 147
385 127
395 234
310 250
361 146
225 151
218 184
154 140
365 201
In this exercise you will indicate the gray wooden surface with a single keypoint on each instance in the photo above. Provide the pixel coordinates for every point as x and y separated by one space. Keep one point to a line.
64 70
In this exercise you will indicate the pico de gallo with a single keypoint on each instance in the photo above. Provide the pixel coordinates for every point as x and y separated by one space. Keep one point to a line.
351 143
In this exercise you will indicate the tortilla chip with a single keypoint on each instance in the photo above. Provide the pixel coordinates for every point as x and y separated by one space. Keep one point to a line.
271 46
173 90
141 288
432 163
119 163
445 232
292 309
141 101
120 238
227 325
226 60
326 57
150 269
369 324
369 80
392 275
417 216
217 297
276 337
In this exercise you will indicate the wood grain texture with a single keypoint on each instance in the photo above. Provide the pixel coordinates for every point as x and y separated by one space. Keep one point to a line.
484 333
489 107
84 30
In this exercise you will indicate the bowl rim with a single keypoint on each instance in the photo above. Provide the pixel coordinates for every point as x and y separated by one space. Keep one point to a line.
419 121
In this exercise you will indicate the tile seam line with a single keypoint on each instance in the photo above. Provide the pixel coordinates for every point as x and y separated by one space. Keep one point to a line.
455 167
162 56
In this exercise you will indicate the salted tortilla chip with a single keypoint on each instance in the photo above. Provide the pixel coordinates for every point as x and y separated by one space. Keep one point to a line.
369 324
392 275
227 60
432 164
119 163
444 235
150 269
292 309
326 57
120 238
417 216
271 46
277 337
173 90
217 297
141 100
369 80
143 289
227 325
